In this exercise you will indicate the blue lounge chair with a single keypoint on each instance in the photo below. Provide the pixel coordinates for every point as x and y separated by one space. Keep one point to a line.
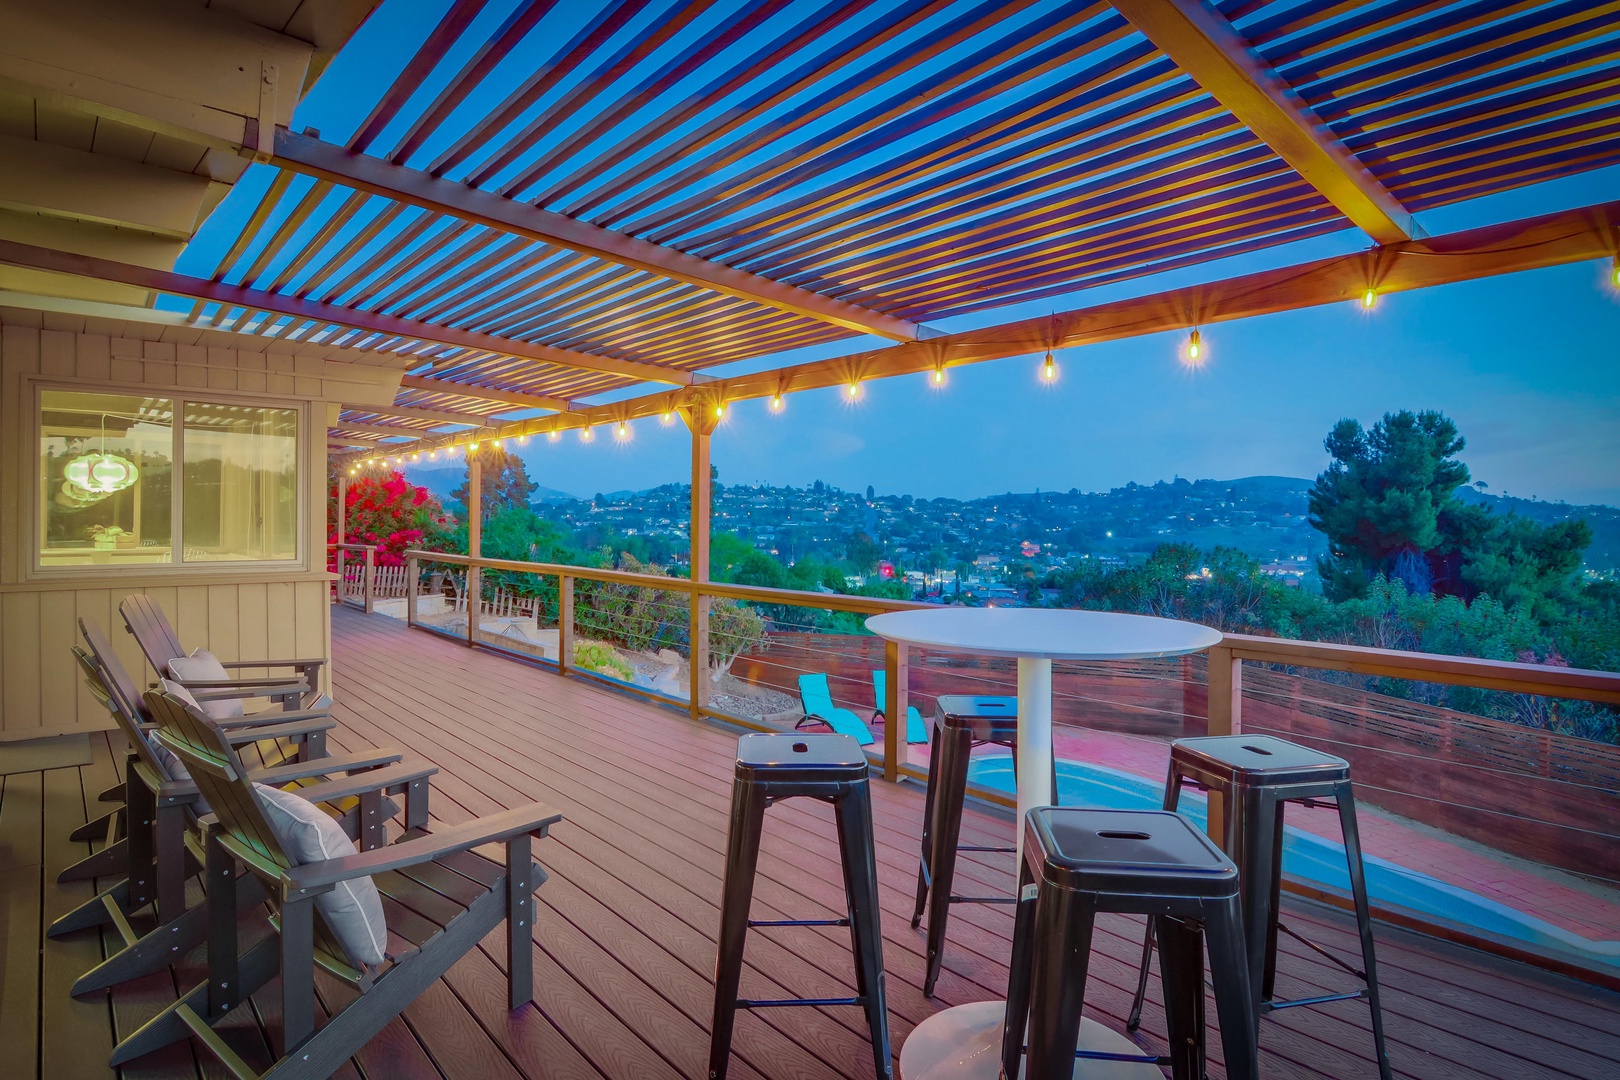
816 698
916 730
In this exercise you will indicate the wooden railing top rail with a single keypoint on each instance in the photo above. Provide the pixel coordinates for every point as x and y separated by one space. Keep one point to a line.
858 605
352 547
1540 679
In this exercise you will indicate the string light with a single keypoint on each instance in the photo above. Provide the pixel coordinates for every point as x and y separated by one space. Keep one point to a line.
523 440
776 403
1369 299
553 435
471 447
622 432
353 471
586 435
433 455
1195 348
669 416
1049 368
1614 278
496 443
719 410
853 390
938 377
416 457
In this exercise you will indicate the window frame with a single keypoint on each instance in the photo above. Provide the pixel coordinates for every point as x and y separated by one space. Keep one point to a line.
177 565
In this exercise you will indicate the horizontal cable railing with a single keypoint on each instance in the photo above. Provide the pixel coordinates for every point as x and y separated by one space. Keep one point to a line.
736 652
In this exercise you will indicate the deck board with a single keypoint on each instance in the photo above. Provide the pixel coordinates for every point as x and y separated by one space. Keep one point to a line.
625 929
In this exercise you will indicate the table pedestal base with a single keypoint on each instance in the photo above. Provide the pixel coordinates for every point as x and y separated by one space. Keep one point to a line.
964 1043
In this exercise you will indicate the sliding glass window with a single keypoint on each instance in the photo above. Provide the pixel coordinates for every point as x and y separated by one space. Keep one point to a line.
122 484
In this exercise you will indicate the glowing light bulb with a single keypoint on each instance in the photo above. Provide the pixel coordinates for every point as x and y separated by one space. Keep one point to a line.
353 471
553 435
938 378
416 457
776 403
586 434
471 447
719 410
1049 368
622 432
523 440
669 416
1195 347
853 390
433 455
1614 278
496 443
1369 299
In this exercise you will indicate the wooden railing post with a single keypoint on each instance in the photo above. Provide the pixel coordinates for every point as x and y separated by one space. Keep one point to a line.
369 577
342 580
565 624
413 573
1225 718
701 419
897 680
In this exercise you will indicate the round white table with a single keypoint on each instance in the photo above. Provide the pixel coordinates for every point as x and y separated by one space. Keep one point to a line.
964 1043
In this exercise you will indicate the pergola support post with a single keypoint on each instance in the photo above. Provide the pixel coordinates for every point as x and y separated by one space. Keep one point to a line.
342 516
475 541
700 420
896 695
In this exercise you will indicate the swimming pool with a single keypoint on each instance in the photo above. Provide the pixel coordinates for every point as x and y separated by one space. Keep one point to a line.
1316 861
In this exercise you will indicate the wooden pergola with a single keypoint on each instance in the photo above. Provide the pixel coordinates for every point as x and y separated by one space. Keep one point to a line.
552 203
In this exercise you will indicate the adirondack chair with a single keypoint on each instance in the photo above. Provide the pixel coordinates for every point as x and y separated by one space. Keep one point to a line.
439 897
163 851
916 730
145 619
815 696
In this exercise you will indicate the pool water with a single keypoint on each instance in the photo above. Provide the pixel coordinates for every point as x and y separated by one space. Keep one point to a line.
1317 861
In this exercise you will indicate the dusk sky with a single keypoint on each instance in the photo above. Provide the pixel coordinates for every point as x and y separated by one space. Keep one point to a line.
1524 364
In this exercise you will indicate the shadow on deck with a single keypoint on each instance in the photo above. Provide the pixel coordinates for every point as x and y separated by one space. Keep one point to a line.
624 937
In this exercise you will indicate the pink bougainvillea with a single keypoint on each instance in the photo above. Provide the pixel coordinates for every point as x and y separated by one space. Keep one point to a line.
390 512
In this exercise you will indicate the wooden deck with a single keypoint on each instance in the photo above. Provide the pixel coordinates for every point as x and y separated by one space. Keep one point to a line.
624 937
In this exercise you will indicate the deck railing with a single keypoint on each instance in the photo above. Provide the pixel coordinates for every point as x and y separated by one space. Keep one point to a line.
1553 798
356 582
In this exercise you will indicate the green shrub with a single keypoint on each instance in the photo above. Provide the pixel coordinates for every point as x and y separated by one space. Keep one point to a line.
593 656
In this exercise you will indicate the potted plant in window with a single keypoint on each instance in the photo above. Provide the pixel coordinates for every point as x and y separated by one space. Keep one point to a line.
107 537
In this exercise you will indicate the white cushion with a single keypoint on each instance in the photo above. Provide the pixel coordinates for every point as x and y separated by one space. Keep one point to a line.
353 911
204 666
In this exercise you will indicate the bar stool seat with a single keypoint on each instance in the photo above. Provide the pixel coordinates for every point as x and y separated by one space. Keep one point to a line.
962 722
1079 863
830 768
1258 775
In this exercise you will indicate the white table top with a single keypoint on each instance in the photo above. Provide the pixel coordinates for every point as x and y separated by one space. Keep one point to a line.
1044 633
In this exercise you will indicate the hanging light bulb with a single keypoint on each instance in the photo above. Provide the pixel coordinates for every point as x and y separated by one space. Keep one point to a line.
622 432
415 457
1369 299
669 416
472 446
719 410
553 434
523 440
1049 368
938 377
776 403
496 443
853 390
433 455
586 435
353 471
1614 277
1195 348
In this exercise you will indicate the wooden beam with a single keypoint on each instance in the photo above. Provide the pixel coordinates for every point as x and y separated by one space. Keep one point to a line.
311 156
85 266
381 429
1201 42
468 390
408 412
1555 239
187 71
58 181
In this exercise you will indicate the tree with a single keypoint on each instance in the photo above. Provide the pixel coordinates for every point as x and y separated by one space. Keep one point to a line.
1380 499
1387 506
504 482
390 512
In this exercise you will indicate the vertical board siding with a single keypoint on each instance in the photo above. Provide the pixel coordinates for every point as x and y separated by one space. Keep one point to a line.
275 614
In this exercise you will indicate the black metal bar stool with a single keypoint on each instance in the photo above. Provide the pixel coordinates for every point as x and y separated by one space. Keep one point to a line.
770 768
1078 863
1258 775
961 723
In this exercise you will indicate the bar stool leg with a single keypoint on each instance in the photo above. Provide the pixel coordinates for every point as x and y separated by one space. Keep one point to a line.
1172 800
742 858
1181 970
925 865
1064 923
854 815
1268 981
1256 858
1023 950
1234 1000
954 754
1358 889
